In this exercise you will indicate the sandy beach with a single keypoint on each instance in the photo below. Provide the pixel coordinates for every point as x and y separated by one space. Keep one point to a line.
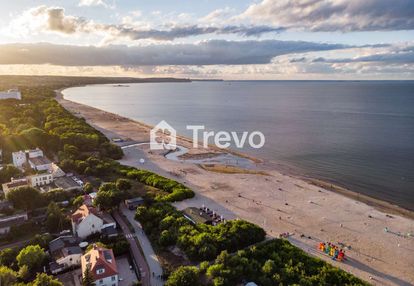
280 203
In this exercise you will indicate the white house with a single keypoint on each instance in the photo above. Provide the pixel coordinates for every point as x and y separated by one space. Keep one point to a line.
19 159
40 179
102 264
11 94
65 252
86 221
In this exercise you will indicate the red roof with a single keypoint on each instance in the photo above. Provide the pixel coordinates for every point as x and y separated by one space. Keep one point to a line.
100 258
82 212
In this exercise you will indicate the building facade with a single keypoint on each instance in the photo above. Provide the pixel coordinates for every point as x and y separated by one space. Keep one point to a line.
39 180
19 159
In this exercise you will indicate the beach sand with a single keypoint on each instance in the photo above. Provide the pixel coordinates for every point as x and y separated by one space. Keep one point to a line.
281 203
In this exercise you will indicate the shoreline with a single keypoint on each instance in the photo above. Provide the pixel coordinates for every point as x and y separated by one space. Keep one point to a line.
379 204
279 203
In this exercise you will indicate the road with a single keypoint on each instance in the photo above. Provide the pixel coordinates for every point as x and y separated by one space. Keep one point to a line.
15 244
135 251
150 256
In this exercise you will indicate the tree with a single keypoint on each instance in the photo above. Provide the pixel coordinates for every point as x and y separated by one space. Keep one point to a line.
33 137
87 279
55 218
42 279
88 188
269 268
108 197
78 201
123 184
24 273
104 200
8 172
7 276
33 256
8 256
24 198
71 151
184 276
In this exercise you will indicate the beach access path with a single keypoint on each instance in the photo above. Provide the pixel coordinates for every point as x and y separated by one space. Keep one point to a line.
135 251
155 270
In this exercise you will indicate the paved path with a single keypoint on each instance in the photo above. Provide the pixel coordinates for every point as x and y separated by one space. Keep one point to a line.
150 256
135 251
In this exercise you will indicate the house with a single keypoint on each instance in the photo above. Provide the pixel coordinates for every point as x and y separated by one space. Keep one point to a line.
40 179
40 164
14 184
65 252
11 94
14 220
102 264
19 159
132 204
87 220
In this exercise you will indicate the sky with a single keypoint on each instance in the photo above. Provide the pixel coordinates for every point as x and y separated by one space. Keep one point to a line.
223 39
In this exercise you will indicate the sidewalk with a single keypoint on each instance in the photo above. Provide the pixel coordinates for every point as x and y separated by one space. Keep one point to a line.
150 256
135 251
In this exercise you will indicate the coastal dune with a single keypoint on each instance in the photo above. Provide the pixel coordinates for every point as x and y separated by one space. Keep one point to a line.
379 242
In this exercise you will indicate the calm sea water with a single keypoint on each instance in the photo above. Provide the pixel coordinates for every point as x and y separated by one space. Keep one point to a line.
356 134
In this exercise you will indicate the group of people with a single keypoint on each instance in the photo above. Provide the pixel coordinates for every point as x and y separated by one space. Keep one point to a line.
332 250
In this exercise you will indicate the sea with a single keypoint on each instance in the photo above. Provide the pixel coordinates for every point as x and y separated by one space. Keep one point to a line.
356 134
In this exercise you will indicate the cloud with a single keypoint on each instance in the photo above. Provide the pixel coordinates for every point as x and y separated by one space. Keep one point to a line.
214 52
383 54
334 15
94 3
54 19
185 31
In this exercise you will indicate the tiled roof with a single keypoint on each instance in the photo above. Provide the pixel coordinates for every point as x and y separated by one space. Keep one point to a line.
100 258
82 212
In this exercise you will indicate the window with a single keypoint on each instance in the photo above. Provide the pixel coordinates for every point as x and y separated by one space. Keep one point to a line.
113 278
101 281
100 271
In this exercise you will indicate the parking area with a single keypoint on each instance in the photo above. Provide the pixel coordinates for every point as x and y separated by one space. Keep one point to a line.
126 275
